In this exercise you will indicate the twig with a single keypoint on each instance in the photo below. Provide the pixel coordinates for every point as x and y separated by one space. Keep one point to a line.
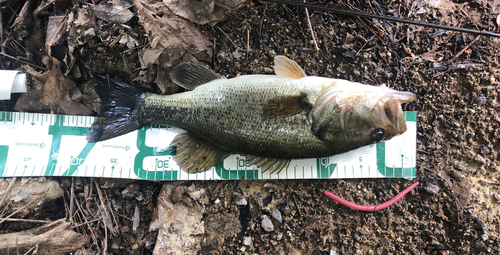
248 40
1 35
123 216
34 252
370 208
13 180
296 204
217 188
26 220
110 208
466 47
22 61
227 36
310 28
105 242
262 21
18 210
87 222
71 199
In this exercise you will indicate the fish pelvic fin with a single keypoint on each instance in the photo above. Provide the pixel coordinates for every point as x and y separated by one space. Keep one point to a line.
273 165
196 156
118 114
190 76
287 68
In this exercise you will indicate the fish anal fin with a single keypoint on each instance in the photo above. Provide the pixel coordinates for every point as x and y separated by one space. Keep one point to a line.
196 156
287 68
286 106
273 165
190 76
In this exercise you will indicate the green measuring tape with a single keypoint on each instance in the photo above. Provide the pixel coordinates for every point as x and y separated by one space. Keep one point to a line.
34 144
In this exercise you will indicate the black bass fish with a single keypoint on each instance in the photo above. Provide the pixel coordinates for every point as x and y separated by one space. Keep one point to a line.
271 119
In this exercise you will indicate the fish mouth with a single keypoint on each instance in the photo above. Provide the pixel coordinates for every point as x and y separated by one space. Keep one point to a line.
391 115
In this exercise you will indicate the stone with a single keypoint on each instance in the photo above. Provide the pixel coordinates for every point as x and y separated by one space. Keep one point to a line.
266 223
277 215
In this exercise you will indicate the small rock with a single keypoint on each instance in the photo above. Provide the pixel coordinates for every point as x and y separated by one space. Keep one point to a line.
277 215
480 222
150 242
480 100
240 200
484 237
247 240
277 195
493 167
271 53
2 179
481 247
271 187
279 237
268 70
40 179
215 226
258 200
237 54
480 159
115 244
431 188
130 191
266 223
139 196
496 197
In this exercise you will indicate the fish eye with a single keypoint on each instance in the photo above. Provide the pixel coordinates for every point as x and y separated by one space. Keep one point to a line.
378 134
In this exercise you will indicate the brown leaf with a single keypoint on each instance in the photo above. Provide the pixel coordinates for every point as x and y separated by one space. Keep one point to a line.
203 12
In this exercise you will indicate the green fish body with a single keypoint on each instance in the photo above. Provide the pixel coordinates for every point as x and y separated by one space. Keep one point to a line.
270 119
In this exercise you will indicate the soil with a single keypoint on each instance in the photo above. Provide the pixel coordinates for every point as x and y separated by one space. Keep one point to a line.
455 77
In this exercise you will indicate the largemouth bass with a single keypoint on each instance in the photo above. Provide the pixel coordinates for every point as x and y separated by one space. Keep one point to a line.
271 119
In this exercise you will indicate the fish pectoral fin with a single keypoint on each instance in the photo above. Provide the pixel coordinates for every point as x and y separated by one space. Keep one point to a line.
287 68
190 76
268 164
286 106
196 156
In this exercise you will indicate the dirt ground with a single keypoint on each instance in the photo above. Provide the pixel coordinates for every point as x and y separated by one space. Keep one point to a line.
454 75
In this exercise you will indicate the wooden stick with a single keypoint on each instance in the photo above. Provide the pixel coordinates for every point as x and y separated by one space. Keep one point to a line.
18 210
26 220
12 181
310 28
71 199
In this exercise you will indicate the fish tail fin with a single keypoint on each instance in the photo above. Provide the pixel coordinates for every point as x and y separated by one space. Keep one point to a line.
119 112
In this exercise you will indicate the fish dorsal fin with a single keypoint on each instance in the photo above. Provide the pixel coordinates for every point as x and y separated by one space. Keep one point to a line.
190 76
196 156
286 106
287 68
273 165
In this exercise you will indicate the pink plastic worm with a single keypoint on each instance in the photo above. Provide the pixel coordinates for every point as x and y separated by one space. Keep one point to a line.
370 208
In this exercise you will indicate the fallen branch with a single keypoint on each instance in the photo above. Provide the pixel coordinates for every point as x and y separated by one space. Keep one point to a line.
52 238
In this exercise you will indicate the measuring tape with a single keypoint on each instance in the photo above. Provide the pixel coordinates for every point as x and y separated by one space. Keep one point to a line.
34 144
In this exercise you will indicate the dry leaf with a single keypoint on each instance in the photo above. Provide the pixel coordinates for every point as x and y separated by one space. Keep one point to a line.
203 12
113 13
